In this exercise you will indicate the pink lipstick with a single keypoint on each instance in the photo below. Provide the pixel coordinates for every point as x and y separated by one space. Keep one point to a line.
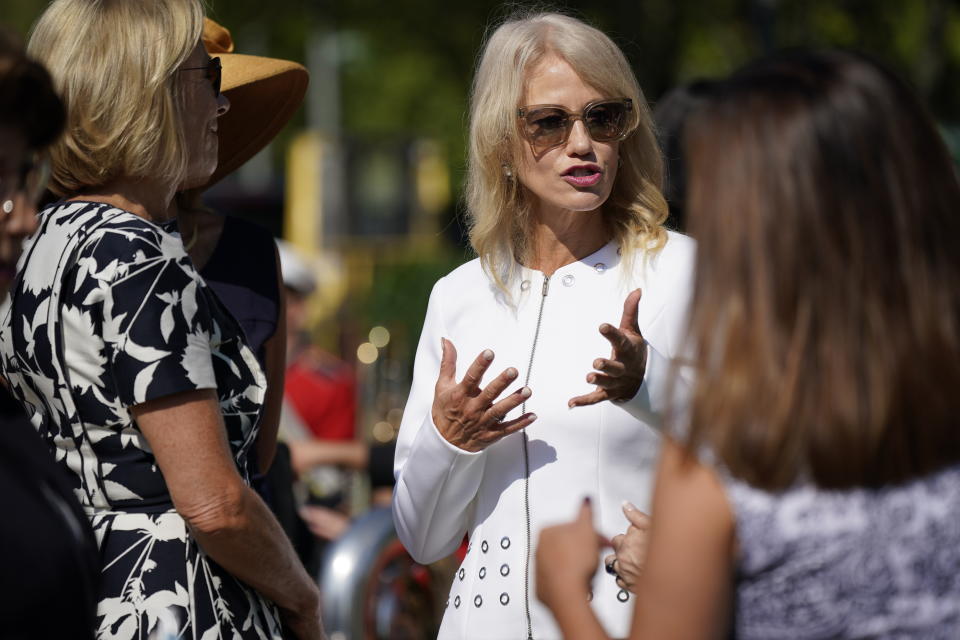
584 175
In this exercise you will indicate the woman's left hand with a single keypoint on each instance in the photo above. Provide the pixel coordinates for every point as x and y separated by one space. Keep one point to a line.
630 549
619 377
567 559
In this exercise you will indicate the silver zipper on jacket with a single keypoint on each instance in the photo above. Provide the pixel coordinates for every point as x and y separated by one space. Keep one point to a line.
526 464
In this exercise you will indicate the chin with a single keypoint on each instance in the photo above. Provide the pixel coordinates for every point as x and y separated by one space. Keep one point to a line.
197 177
584 202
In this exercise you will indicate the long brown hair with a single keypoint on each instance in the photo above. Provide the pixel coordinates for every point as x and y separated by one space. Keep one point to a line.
826 312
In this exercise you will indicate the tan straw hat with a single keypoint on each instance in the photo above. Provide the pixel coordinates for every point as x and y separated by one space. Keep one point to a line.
264 94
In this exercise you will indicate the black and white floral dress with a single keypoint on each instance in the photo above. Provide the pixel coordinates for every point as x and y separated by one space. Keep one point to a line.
108 312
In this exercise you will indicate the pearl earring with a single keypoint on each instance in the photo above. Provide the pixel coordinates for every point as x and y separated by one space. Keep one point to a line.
507 171
7 206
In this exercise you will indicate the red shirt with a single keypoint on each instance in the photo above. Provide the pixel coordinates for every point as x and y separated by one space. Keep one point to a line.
322 389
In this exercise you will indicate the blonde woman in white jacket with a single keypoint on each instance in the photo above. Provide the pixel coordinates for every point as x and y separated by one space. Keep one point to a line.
579 295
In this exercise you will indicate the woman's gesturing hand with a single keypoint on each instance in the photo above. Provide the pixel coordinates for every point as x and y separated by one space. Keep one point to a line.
618 377
630 549
467 416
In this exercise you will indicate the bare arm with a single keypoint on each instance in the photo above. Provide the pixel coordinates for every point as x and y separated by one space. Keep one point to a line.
686 585
306 454
276 364
229 521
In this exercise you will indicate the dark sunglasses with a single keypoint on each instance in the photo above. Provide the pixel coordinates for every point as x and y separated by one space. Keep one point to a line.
29 179
548 125
214 74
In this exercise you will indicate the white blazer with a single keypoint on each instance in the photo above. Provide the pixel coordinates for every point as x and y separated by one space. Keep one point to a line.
606 451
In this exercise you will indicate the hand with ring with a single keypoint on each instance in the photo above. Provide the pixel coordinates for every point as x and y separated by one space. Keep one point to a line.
469 417
619 377
630 549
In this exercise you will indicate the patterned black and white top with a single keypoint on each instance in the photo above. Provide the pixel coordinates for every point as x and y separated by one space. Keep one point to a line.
861 563
107 312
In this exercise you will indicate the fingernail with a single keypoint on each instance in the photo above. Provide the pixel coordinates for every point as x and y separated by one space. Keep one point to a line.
591 378
571 404
525 392
511 373
629 506
587 500
599 364
487 354
443 345
533 417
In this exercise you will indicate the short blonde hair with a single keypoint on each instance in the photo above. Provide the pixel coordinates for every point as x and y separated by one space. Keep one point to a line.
498 213
114 63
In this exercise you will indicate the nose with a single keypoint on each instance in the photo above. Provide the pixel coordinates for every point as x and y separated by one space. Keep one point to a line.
579 143
223 104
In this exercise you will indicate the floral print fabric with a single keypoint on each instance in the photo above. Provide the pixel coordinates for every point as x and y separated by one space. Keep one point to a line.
108 312
859 563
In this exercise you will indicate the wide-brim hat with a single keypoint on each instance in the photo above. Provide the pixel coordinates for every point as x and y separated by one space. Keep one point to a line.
264 94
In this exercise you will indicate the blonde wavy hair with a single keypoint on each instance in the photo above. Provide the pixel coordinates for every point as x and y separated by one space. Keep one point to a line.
498 211
114 64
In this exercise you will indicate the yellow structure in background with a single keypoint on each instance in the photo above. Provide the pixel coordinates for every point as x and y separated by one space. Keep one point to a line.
343 264
303 225
303 211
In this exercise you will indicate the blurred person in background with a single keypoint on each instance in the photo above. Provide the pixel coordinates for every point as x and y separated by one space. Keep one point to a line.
49 553
128 365
816 491
566 218
670 116
318 418
237 258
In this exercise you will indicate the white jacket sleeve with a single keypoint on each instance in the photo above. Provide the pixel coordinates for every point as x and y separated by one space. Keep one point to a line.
436 481
669 377
660 394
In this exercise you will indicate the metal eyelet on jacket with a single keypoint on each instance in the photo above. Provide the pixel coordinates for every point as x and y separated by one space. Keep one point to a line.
504 542
504 570
568 280
456 602
461 573
600 267
524 285
623 596
504 599
477 601
483 572
484 546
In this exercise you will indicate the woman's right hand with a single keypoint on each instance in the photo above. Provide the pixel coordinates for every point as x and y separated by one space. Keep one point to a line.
469 417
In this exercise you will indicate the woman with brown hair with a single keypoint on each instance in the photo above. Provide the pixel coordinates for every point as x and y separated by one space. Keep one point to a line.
816 492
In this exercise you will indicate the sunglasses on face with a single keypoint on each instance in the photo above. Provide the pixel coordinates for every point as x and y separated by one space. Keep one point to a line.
548 125
29 180
214 74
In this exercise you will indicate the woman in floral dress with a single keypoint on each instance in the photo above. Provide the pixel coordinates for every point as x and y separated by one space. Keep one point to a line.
129 367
